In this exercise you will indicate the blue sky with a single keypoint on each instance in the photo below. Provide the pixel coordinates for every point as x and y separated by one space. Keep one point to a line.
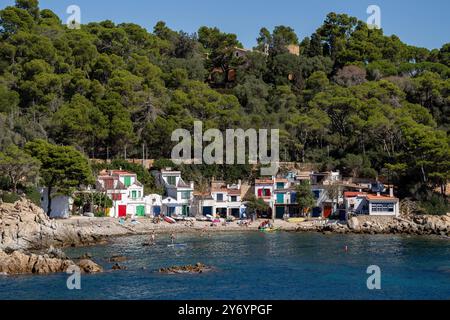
421 23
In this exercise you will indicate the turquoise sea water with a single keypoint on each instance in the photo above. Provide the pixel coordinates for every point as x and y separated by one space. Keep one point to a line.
259 266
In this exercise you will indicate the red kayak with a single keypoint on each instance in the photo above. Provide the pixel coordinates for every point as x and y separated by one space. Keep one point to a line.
169 220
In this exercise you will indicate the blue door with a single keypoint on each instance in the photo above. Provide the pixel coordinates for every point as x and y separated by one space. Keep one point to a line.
170 211
317 212
156 211
293 197
207 211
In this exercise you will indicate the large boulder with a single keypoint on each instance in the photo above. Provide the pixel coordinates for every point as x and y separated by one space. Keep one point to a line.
19 262
89 266
353 224
25 226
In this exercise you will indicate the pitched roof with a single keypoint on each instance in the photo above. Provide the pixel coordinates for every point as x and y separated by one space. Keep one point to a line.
353 194
182 184
122 173
264 181
382 198
117 186
234 192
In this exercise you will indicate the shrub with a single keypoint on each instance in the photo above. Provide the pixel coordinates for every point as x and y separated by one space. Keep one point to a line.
10 197
33 195
435 205
162 164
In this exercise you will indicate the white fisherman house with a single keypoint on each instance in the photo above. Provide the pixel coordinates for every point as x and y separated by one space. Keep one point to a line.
127 194
179 194
61 207
374 205
226 200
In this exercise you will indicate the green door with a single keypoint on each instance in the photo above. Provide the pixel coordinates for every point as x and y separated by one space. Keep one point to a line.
279 213
127 181
140 211
280 198
185 211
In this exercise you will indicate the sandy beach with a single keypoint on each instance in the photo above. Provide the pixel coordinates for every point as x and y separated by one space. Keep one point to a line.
112 227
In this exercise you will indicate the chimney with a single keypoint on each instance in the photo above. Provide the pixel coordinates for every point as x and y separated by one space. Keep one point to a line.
378 194
391 192
192 184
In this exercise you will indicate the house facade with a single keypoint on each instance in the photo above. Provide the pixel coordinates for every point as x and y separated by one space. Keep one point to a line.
360 203
281 195
126 193
179 194
285 198
61 206
327 189
227 199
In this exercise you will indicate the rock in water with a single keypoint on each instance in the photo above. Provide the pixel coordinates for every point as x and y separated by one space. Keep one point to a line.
56 253
21 263
84 256
89 266
198 268
118 259
119 267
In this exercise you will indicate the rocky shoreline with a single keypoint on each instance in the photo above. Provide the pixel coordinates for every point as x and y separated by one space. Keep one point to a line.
25 228
417 225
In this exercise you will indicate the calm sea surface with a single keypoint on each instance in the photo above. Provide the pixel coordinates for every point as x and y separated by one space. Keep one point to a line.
256 266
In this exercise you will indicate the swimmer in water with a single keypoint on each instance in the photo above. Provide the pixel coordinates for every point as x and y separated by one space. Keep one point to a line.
152 238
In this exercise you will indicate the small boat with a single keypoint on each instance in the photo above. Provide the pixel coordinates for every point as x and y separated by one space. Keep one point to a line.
269 230
169 220
177 245
210 217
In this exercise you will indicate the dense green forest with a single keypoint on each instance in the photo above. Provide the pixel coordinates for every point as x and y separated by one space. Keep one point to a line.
353 99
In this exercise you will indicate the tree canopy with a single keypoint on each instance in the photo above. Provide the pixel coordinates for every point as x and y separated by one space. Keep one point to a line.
353 98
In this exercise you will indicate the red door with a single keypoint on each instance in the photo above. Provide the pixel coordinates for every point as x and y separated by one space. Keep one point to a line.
327 211
123 211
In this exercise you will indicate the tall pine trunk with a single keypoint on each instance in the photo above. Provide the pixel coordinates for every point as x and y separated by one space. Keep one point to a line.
49 203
